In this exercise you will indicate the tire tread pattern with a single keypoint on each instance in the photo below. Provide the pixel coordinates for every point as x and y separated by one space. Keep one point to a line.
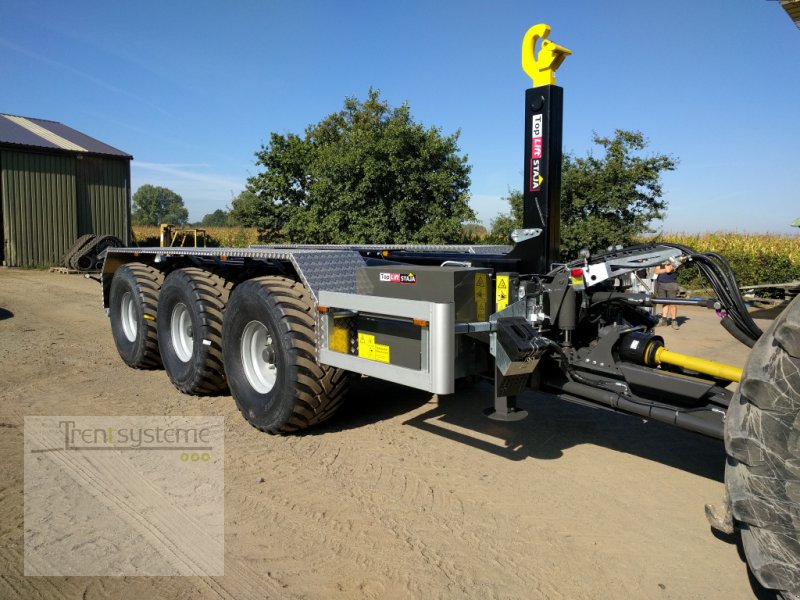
762 439
148 283
320 388
211 291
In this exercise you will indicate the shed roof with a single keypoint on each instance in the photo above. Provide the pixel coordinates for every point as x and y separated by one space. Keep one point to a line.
40 133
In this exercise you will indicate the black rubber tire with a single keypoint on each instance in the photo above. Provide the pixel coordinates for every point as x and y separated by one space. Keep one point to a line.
143 283
762 438
204 294
305 393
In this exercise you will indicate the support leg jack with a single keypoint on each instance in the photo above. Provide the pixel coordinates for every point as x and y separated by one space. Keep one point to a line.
505 406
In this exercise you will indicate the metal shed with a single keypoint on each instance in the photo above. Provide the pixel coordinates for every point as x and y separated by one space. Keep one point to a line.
57 184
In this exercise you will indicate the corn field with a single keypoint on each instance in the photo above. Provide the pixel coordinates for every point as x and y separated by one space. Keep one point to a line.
222 237
755 258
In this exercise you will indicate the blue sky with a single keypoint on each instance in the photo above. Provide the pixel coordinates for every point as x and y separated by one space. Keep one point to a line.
192 89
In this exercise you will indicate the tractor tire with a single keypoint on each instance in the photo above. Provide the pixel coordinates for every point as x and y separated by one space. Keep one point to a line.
133 302
762 439
189 328
269 346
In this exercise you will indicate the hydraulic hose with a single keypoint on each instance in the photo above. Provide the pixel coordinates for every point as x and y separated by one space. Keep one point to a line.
731 328
722 279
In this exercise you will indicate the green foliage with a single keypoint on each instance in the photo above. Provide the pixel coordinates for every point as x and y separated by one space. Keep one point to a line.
611 199
155 205
366 174
218 218
605 200
244 210
474 232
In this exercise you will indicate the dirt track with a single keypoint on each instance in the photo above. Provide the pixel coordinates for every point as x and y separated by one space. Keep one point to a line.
399 496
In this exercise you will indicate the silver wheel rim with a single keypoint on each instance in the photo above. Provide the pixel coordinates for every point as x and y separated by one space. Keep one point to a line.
130 326
258 357
182 332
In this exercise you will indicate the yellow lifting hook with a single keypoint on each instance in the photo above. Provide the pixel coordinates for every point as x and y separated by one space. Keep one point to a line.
541 69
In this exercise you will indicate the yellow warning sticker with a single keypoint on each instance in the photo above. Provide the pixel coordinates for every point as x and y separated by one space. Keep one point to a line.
367 348
501 292
381 353
481 296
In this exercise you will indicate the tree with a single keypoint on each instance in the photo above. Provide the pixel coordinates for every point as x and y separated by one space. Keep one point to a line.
367 173
244 210
611 199
474 232
605 200
155 205
218 218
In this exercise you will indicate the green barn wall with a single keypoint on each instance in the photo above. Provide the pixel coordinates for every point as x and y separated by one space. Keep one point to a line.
48 200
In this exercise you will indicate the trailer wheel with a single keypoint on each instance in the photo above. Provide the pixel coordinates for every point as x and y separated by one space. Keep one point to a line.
190 329
133 302
762 438
270 357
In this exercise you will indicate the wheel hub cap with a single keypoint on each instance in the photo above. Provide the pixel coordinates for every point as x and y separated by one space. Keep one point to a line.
130 325
182 332
258 357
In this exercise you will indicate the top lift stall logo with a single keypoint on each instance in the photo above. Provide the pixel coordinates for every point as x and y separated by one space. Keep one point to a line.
536 153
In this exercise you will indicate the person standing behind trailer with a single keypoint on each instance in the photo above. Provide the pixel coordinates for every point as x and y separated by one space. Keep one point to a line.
667 287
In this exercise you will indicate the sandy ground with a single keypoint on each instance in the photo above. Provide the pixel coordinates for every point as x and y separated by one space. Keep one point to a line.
401 495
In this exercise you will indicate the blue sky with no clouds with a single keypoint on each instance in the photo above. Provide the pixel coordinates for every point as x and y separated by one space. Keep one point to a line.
192 89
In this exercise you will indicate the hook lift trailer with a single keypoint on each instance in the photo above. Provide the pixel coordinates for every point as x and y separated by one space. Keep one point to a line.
284 327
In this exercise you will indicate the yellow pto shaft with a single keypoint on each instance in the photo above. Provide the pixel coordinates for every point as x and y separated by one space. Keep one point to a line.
699 365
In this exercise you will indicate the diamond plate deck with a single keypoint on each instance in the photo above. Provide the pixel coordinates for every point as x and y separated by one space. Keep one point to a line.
319 269
470 248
